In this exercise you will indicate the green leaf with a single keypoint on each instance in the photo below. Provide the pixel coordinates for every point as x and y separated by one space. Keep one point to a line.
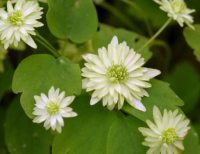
76 20
104 35
192 37
22 136
189 91
6 79
99 131
2 122
160 95
191 143
125 130
37 73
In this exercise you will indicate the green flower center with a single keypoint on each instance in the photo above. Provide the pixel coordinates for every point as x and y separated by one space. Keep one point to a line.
16 18
179 6
52 108
117 73
169 135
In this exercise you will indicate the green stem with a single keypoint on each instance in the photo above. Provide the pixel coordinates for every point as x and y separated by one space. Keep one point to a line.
156 34
46 44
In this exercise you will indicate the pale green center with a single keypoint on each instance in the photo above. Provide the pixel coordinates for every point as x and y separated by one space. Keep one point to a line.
117 73
52 108
169 135
16 18
179 6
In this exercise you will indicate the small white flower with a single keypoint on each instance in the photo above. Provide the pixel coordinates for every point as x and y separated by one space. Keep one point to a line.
116 75
44 1
166 134
19 23
52 108
177 9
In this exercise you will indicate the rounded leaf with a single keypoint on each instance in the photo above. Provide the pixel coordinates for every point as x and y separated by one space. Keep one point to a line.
37 73
76 20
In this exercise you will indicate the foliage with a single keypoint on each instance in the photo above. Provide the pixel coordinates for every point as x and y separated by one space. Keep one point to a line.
73 28
192 38
64 18
44 71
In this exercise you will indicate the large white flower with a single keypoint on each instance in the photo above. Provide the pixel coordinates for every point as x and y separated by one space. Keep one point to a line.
177 9
19 22
52 108
116 75
166 134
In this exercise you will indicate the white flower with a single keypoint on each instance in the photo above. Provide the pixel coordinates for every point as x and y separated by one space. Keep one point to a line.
19 23
177 9
116 75
44 1
166 134
52 108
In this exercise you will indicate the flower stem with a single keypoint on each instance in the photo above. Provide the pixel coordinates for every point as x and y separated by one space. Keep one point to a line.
46 44
156 34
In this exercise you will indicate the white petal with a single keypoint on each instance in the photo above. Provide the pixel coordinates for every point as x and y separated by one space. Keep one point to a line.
9 7
18 5
60 120
58 128
39 119
53 122
152 72
114 40
67 101
138 105
70 114
94 100
30 42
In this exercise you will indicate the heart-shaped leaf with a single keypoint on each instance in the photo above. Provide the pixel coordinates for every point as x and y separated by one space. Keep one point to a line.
37 73
73 19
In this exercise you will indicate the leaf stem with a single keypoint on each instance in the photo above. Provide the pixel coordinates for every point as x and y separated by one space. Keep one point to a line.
46 44
156 34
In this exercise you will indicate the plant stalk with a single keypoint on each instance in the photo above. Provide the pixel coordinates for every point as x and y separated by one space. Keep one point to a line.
46 44
156 34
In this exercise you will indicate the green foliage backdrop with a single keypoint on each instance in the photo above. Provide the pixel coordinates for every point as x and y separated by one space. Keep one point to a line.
73 28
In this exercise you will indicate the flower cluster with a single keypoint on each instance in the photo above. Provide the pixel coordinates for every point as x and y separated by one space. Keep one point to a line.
52 108
115 75
177 10
18 22
166 133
